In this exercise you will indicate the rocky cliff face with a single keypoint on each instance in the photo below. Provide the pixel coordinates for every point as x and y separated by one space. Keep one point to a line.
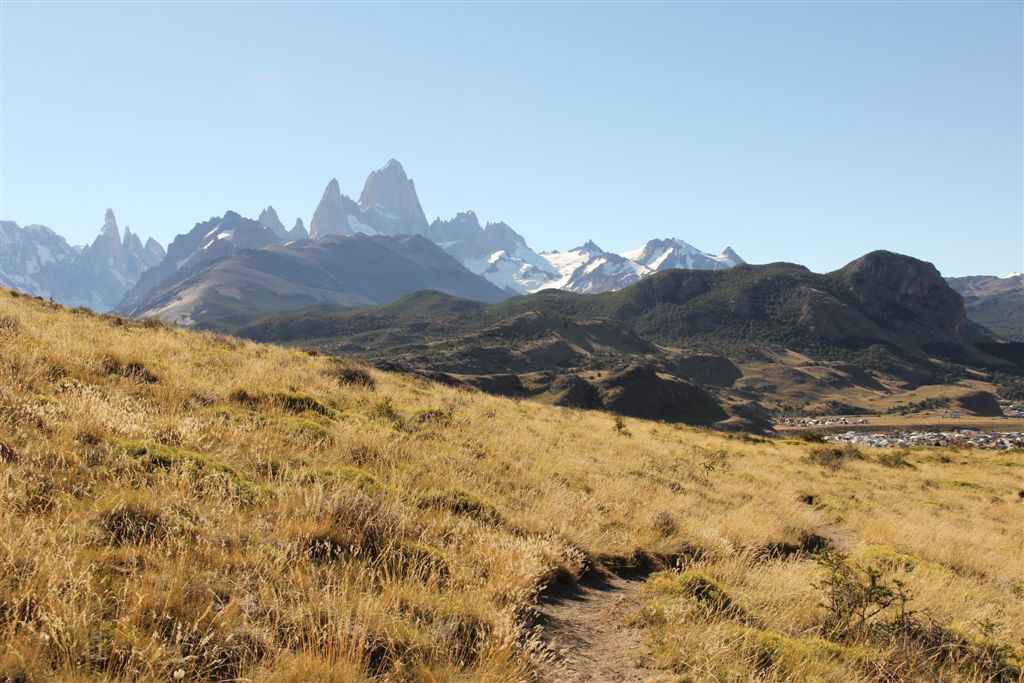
331 216
589 269
907 295
388 205
298 232
662 254
112 267
268 218
391 196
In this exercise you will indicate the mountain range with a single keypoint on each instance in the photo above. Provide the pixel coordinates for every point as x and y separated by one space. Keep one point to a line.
37 260
388 205
209 275
138 280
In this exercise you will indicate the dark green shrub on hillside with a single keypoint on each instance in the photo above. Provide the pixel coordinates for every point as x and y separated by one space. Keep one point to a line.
460 502
834 457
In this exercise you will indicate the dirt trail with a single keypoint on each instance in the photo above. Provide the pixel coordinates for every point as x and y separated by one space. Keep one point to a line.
585 637
583 632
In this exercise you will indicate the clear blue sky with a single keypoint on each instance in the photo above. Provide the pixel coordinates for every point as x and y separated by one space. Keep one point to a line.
805 132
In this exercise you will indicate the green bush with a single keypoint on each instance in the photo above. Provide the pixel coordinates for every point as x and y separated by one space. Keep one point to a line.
834 457
360 479
133 370
298 403
708 595
131 522
896 459
810 436
460 502
154 456
349 374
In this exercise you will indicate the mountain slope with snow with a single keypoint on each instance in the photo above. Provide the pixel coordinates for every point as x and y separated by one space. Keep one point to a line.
36 260
389 205
119 272
205 243
495 251
662 254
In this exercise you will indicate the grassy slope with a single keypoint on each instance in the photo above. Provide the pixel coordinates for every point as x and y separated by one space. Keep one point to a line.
172 500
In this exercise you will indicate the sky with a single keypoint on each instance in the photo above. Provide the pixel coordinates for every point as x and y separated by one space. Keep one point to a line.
801 132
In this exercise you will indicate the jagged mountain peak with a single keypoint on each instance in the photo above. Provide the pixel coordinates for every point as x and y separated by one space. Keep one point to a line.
298 232
503 229
390 193
393 166
37 260
333 189
673 252
155 248
590 246
109 228
331 214
268 218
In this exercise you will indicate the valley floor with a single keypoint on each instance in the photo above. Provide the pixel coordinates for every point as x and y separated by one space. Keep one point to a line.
187 506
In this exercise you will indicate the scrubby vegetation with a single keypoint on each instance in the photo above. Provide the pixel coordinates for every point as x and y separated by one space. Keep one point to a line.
186 506
834 456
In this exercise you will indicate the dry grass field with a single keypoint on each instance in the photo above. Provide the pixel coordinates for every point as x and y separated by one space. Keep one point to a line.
185 506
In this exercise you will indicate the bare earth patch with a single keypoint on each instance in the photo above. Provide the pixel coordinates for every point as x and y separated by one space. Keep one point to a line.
583 628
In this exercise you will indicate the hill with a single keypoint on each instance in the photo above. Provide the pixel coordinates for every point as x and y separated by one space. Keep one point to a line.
995 303
885 325
182 505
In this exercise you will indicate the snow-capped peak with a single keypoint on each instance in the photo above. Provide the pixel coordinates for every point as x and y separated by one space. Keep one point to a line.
672 252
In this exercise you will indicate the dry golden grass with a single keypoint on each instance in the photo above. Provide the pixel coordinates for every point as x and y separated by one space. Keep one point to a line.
177 503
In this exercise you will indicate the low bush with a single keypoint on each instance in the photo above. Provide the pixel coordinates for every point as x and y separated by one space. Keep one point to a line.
131 521
460 502
834 457
664 523
304 429
134 370
298 403
9 325
353 525
810 436
349 374
154 456
384 411
895 459
360 479
709 596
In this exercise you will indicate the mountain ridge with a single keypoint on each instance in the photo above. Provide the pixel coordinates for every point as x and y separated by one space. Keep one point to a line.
337 269
883 316
37 260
